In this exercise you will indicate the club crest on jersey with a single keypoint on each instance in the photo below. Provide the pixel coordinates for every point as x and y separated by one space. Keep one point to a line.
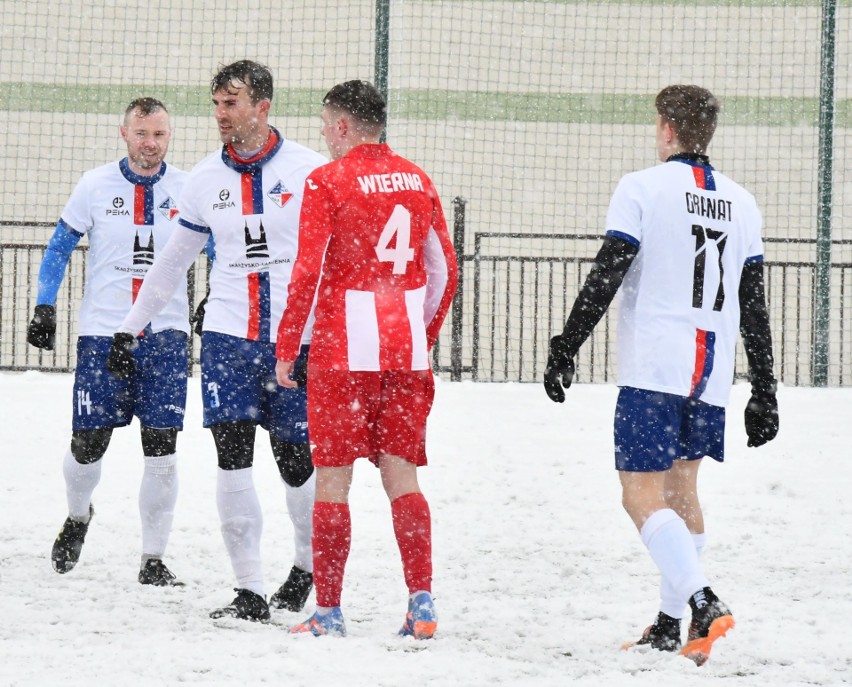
169 208
143 255
279 194
256 247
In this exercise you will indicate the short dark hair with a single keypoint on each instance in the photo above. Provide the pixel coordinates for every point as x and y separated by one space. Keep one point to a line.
692 111
254 75
145 106
361 99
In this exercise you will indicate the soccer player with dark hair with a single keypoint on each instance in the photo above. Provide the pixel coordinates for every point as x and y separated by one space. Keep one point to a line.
375 249
247 196
128 210
683 243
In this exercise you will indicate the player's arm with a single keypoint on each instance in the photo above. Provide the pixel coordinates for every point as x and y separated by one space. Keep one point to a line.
196 319
611 264
315 226
442 273
761 413
164 277
42 328
159 284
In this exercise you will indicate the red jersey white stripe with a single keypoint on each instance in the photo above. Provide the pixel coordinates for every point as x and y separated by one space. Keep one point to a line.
374 238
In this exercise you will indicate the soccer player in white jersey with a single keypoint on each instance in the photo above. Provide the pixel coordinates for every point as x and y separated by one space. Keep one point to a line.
247 196
683 243
128 210
374 237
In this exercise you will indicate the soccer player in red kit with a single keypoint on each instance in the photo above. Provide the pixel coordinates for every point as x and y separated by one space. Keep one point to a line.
373 236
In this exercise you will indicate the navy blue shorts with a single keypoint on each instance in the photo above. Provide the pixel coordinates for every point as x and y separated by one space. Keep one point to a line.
238 383
652 429
155 393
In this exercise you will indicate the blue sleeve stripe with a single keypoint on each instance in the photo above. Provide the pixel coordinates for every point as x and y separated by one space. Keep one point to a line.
71 230
200 228
210 248
624 237
754 258
53 265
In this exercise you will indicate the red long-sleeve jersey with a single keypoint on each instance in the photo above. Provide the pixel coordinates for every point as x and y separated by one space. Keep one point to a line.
375 251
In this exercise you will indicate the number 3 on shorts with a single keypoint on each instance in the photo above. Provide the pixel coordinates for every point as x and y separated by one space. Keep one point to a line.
402 253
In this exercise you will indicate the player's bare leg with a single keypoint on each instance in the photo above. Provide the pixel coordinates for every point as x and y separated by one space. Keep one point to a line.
681 493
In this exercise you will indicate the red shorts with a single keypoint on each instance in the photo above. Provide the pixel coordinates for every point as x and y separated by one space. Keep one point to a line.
368 414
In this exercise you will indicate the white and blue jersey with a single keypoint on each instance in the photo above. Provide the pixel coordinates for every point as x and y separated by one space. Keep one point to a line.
128 219
251 208
679 314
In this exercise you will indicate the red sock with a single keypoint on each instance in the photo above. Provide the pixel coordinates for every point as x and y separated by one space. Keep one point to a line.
331 540
412 525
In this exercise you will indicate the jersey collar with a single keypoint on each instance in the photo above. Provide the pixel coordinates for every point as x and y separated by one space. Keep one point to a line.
370 150
256 161
138 179
692 159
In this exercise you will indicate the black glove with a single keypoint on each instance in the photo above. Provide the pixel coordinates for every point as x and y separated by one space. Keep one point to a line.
559 371
300 371
41 331
121 361
197 318
761 416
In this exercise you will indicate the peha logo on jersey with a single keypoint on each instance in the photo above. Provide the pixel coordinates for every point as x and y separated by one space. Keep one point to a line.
169 209
224 200
279 194
117 209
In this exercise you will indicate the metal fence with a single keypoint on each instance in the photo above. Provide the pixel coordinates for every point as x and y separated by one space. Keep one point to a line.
19 265
508 305
509 327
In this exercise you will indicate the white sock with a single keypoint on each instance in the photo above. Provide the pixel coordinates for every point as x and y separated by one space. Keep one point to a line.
671 547
700 541
300 505
670 603
242 525
157 497
80 482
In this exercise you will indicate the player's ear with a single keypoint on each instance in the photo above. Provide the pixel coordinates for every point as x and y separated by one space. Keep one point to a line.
123 132
342 125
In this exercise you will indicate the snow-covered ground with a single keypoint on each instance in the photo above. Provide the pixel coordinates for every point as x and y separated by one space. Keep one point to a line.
539 574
